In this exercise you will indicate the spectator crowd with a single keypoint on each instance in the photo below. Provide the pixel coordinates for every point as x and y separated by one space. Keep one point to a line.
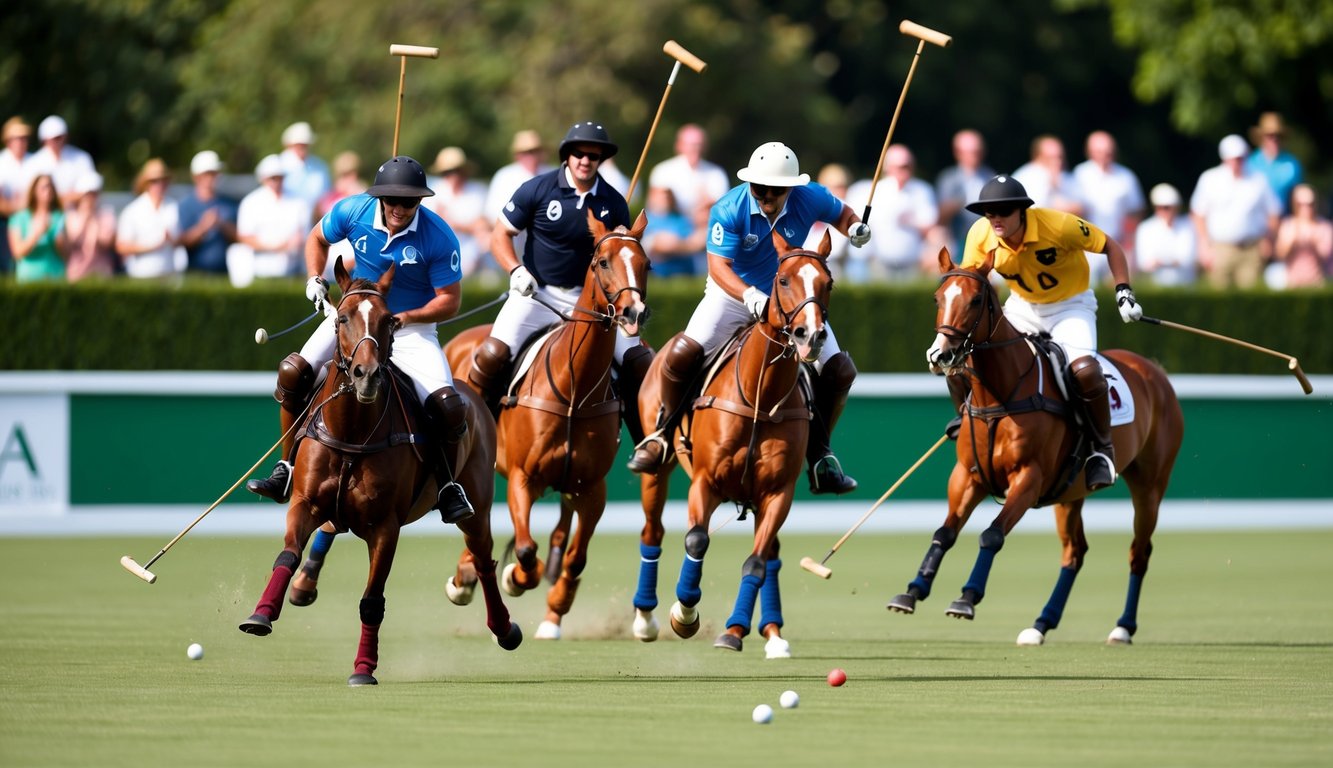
1251 220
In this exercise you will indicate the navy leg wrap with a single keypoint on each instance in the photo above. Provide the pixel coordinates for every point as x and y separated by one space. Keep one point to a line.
696 542
992 540
1055 607
320 544
1130 619
372 611
770 596
645 599
286 559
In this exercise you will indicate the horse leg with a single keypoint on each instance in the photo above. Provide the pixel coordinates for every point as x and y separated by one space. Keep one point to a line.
941 542
1146 493
269 607
653 491
383 542
555 552
770 608
525 574
305 582
768 517
1022 493
684 613
1073 540
589 505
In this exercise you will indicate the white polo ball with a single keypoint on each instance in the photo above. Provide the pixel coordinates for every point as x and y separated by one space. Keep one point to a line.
789 700
195 651
261 336
762 714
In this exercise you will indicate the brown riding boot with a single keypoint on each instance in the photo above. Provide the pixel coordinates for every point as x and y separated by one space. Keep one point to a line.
959 388
491 369
296 384
1099 469
684 359
447 412
633 369
830 396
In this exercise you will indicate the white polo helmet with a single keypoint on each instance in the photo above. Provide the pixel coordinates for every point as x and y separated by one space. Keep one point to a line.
774 165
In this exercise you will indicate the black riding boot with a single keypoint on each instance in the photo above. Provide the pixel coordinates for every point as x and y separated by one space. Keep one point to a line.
633 369
684 359
959 388
1099 470
447 411
296 384
491 369
830 396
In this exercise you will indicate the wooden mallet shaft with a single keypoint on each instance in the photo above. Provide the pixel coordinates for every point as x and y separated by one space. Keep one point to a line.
403 52
924 35
1293 364
822 571
682 56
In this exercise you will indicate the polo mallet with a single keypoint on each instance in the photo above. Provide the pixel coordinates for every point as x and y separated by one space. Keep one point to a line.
682 56
819 569
1293 364
129 564
262 336
924 35
402 52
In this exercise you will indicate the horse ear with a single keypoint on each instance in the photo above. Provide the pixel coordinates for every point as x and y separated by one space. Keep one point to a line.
946 263
595 225
780 243
340 273
386 279
825 244
988 264
640 224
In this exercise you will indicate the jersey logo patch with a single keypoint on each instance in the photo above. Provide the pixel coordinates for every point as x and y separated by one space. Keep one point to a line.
787 233
454 260
410 254
717 234
553 211
750 242
509 206
360 244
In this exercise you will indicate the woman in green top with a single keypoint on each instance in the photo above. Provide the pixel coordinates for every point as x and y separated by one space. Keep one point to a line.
37 234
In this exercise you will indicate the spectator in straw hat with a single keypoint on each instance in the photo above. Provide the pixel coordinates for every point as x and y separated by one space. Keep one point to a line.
63 161
347 181
1279 166
306 176
837 180
208 220
148 231
90 229
12 188
1164 243
461 202
528 153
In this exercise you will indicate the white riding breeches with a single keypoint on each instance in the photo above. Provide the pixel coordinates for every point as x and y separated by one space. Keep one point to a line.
1072 323
718 317
522 316
416 352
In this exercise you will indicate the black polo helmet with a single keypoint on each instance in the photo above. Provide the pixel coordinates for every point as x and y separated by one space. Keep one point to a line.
400 177
588 133
1001 189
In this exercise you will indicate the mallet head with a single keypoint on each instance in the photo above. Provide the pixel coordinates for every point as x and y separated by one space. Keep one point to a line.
138 570
818 569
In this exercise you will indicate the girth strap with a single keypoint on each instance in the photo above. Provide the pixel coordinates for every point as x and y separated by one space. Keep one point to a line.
562 409
748 411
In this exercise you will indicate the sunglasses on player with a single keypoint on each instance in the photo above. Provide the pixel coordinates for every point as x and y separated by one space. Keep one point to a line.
580 154
406 203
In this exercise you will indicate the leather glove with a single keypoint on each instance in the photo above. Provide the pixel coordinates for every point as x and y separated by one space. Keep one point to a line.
859 234
522 282
317 290
1127 304
756 301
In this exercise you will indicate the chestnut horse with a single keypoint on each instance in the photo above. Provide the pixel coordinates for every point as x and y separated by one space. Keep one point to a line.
359 468
1016 443
562 430
743 442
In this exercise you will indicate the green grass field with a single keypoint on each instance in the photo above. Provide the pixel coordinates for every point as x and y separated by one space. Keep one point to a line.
1232 666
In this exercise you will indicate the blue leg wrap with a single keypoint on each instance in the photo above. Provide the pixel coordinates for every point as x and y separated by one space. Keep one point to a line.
942 541
1055 607
770 596
320 544
749 592
645 599
688 590
1130 619
992 540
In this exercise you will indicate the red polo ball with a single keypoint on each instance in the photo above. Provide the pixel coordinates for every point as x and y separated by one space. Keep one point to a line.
837 677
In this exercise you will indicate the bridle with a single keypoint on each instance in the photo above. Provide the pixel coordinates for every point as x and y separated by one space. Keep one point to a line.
788 340
964 340
612 315
344 362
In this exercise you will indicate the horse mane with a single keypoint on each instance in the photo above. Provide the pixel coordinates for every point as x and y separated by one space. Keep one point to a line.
361 284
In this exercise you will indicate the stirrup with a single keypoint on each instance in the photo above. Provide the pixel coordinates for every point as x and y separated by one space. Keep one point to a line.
453 504
646 458
277 486
826 476
1099 471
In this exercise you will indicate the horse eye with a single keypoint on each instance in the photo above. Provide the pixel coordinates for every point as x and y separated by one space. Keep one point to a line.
784 282
603 264
975 302
343 319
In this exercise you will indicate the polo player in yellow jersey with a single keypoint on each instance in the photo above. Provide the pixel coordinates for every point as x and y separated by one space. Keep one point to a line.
1041 255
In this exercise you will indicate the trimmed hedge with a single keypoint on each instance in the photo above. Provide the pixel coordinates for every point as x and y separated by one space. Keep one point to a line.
205 324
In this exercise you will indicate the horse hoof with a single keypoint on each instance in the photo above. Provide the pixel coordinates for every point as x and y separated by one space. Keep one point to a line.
301 597
727 641
257 625
684 620
903 603
360 679
1119 636
512 639
1031 636
961 609
777 648
547 630
645 625
507 582
554 564
459 595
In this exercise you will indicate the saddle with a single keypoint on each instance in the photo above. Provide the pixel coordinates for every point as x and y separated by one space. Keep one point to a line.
528 353
402 426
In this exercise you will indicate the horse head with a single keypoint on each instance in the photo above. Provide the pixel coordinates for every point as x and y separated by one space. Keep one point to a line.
967 309
798 305
365 329
620 270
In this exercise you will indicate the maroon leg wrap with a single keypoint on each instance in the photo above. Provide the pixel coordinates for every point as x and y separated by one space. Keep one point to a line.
368 650
270 604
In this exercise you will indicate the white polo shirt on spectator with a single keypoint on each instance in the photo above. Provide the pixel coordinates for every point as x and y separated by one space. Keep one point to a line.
143 223
271 219
1109 195
64 171
898 217
1235 210
703 184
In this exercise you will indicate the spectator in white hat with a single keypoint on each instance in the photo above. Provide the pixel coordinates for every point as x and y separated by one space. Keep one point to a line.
208 220
148 232
271 227
64 162
1235 215
90 232
1164 243
306 176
